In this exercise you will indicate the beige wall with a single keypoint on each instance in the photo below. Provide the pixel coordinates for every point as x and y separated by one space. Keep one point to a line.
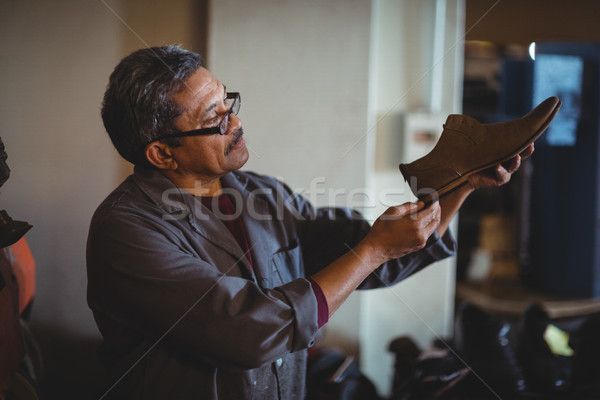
55 63
302 68
56 60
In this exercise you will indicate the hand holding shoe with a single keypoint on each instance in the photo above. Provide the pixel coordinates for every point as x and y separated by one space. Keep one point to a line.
403 229
501 173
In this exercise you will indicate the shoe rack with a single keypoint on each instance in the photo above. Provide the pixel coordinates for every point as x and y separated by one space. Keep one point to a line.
501 230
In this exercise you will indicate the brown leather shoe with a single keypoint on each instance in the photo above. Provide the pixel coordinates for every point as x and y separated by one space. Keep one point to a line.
467 146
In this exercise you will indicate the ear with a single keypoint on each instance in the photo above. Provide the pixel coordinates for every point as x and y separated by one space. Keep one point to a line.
161 156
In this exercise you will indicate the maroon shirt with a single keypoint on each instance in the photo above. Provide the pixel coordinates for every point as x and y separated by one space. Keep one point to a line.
224 208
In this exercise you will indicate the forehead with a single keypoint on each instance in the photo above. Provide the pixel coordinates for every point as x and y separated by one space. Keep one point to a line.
200 91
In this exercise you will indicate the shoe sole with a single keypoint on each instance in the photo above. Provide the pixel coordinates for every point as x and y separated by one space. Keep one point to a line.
462 180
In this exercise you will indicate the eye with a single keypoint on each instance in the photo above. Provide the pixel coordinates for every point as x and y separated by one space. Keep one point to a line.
213 121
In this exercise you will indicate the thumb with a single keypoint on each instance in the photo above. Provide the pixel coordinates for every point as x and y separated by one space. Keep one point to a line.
415 207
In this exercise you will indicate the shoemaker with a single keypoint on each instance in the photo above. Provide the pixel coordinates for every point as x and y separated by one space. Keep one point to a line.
208 282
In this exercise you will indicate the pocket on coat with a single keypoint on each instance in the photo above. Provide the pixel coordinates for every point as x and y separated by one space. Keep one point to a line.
287 264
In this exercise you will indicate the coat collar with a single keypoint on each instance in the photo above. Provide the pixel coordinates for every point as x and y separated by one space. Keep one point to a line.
178 203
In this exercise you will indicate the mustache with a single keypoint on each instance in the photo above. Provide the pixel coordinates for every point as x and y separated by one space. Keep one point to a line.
237 135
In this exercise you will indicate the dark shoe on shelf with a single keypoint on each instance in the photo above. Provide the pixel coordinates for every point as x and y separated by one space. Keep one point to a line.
435 373
440 374
405 379
467 146
482 341
545 371
585 341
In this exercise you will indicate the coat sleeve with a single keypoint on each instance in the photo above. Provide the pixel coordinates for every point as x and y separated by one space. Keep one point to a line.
328 233
394 271
146 282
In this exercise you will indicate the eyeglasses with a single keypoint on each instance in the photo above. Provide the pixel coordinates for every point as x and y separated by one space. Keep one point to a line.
233 100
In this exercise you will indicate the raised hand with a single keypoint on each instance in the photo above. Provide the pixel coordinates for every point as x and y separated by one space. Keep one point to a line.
403 229
501 173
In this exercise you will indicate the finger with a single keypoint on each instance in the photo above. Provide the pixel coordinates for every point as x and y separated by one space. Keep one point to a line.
432 224
413 208
430 213
417 207
528 151
400 211
502 175
438 214
512 165
436 209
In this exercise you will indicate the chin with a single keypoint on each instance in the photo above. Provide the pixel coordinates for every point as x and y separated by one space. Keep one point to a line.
246 157
240 159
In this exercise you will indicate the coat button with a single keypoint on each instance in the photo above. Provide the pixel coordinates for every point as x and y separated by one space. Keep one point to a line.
279 362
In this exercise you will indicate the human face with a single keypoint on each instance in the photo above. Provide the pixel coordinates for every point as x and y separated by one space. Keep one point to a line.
210 156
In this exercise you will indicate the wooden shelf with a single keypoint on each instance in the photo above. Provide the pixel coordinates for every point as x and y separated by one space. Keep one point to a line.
511 299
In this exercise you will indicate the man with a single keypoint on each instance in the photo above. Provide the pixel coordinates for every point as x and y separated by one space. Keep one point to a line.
207 282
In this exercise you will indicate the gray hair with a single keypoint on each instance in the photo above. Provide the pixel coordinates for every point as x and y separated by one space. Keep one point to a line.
137 106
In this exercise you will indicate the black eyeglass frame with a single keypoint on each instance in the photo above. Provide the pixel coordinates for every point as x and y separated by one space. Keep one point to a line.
223 126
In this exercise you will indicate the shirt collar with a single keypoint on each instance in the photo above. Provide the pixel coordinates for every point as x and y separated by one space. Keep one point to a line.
173 199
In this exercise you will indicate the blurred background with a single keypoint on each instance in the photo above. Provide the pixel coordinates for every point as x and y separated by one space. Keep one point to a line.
335 94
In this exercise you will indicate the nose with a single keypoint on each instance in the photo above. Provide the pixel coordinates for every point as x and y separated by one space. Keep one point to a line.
235 123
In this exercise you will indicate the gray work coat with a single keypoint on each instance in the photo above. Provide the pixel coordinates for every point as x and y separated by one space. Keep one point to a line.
183 313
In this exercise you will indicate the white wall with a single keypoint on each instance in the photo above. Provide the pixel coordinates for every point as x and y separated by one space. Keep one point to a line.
411 73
